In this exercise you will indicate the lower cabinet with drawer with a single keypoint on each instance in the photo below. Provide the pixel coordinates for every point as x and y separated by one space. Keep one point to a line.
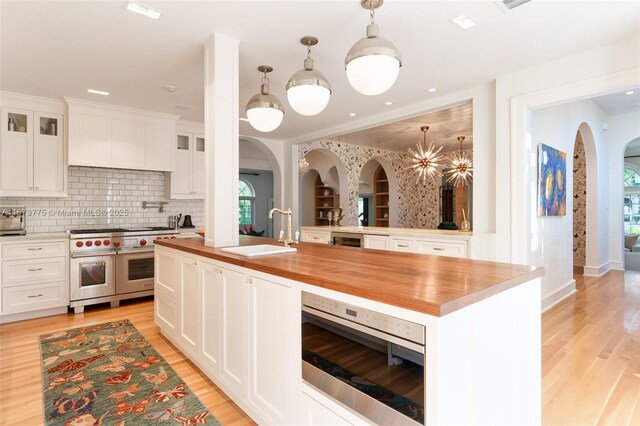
34 279
319 237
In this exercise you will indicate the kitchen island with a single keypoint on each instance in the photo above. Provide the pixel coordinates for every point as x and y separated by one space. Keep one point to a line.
239 320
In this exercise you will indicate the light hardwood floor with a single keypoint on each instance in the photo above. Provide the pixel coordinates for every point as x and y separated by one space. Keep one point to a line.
591 353
590 357
20 383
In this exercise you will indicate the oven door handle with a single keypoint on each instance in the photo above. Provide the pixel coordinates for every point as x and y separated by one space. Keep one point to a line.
366 330
134 251
91 254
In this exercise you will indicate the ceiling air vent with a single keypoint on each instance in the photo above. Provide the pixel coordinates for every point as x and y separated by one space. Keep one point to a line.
507 5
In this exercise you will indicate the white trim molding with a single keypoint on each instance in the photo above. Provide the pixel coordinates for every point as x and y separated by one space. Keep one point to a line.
598 271
558 296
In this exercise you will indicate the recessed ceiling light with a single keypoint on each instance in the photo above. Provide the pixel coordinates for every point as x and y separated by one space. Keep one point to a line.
388 103
432 90
464 21
352 114
98 92
143 10
630 92
170 88
244 119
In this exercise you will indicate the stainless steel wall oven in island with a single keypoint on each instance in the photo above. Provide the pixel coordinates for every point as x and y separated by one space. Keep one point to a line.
369 361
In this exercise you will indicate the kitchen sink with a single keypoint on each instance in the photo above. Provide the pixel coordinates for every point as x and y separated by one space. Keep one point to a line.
258 250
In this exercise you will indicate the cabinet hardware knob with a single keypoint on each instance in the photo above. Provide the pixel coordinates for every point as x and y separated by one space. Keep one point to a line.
35 269
250 281
33 297
34 248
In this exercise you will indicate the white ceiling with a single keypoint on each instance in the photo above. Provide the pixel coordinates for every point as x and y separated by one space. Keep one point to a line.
619 103
61 48
444 128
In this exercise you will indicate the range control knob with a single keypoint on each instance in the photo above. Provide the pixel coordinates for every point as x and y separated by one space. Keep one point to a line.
106 242
88 243
173 237
79 244
143 242
98 243
116 244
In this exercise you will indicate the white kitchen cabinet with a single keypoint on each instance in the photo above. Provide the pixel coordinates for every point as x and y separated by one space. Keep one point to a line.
272 311
319 237
189 319
377 242
32 154
211 308
235 330
238 328
117 137
166 293
441 248
34 279
401 244
188 179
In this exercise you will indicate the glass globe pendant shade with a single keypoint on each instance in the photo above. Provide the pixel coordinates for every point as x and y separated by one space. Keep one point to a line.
265 119
373 64
264 111
308 90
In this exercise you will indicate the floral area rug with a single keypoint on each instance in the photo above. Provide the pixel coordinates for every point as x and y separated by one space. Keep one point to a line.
404 405
108 374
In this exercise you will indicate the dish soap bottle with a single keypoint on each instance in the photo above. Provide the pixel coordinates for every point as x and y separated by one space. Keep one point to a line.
12 125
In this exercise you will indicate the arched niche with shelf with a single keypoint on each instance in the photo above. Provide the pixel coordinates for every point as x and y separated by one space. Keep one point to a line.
378 194
322 189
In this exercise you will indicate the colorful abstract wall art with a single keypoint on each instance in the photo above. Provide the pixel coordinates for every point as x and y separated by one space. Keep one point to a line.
552 181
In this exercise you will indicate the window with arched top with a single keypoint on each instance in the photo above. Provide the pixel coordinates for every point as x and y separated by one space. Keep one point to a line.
247 201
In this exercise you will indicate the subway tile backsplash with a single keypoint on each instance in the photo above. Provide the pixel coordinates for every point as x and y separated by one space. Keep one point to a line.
106 198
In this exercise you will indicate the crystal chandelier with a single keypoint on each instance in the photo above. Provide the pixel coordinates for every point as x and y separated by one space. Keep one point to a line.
461 167
303 166
425 160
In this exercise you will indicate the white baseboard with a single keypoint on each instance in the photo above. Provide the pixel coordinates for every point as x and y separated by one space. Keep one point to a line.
559 295
618 266
597 271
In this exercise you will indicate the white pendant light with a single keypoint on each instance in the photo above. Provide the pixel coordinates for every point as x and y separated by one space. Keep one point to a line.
373 63
264 110
308 90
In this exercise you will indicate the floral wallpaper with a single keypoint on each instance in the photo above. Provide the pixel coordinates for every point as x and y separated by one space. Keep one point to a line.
579 200
417 203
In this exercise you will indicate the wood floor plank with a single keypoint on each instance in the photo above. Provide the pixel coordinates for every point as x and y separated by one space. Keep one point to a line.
20 379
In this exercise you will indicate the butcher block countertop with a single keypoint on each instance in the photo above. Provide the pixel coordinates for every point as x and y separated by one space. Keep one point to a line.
433 285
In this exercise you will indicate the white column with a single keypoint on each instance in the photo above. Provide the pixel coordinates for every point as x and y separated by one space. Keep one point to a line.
221 132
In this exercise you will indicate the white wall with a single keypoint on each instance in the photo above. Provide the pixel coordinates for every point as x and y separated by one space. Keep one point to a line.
606 69
622 130
550 239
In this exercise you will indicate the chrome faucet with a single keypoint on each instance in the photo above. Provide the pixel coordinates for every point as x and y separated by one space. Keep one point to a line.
289 240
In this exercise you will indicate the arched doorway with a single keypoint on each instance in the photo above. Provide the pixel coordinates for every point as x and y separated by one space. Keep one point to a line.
260 169
579 205
631 206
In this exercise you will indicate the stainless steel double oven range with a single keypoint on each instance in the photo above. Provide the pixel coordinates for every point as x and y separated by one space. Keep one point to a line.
109 265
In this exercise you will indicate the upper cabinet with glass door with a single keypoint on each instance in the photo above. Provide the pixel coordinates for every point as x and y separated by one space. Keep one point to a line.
187 181
32 154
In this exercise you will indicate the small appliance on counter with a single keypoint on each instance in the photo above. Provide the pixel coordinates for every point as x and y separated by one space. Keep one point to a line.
187 222
12 220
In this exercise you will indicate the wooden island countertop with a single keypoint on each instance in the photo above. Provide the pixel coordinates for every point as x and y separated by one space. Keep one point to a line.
433 285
